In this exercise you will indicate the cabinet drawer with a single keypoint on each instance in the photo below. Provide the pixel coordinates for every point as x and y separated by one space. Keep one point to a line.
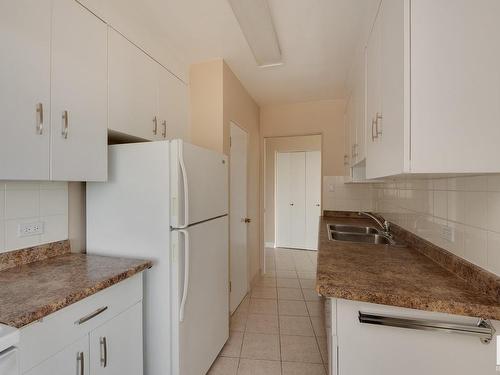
48 336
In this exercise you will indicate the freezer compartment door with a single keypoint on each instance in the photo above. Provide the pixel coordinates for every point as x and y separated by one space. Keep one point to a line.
199 184
201 290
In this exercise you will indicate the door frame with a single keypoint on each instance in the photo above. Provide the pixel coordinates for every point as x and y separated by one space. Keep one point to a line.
235 124
264 182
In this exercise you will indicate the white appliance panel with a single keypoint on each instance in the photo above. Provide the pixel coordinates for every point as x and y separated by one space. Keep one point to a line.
204 329
205 173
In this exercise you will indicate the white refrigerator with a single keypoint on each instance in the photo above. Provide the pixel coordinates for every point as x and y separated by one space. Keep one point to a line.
168 202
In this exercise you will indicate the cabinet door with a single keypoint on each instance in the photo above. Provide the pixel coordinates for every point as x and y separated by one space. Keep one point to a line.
72 360
373 97
133 89
313 198
25 89
352 130
297 198
358 108
116 346
283 199
172 106
455 81
79 95
347 145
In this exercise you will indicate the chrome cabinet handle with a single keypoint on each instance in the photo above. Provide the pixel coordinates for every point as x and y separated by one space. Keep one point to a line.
378 117
65 125
39 118
164 132
483 329
80 361
86 318
104 351
155 125
374 136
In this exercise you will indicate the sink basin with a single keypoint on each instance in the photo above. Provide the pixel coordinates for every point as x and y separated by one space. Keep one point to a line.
8 337
353 229
359 237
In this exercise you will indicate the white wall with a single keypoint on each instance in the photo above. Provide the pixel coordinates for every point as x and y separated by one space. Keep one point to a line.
468 206
27 202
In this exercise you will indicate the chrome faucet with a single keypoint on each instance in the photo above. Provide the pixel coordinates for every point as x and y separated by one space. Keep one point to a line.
385 225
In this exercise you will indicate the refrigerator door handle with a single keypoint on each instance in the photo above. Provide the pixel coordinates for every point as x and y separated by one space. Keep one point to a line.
186 274
185 185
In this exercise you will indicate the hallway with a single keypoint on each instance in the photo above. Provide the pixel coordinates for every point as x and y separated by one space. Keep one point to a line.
279 328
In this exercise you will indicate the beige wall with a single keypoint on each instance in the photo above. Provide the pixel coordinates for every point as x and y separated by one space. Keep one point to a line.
206 104
217 98
272 146
76 216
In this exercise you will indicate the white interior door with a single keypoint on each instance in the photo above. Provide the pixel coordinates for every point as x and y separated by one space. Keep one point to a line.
313 198
238 216
282 200
298 199
297 236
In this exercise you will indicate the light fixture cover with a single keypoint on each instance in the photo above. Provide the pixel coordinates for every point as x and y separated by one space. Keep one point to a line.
256 22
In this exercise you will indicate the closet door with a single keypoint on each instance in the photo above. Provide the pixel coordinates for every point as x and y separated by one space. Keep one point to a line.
24 89
297 199
312 198
283 200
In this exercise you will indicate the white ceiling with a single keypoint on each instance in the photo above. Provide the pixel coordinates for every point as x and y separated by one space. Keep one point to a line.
318 40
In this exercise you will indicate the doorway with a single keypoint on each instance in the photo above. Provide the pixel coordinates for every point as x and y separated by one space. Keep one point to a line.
298 166
238 220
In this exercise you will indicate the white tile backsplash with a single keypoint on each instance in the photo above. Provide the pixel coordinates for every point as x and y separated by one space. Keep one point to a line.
29 202
346 197
469 206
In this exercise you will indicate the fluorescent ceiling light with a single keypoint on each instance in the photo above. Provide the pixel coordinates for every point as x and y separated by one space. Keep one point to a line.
257 25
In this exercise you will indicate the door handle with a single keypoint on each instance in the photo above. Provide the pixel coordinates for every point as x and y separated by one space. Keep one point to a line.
80 361
317 204
104 351
247 220
155 125
186 274
39 118
65 125
291 204
164 132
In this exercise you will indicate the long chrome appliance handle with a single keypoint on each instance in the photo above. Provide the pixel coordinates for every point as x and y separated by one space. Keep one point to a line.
483 329
185 184
186 274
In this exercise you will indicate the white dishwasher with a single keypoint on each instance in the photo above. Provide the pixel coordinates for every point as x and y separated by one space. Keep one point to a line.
9 357
366 338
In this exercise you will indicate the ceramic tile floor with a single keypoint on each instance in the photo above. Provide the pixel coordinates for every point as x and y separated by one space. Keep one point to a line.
279 327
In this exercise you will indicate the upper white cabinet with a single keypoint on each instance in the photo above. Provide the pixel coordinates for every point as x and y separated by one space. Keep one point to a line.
145 100
52 92
133 89
433 88
78 94
25 89
172 105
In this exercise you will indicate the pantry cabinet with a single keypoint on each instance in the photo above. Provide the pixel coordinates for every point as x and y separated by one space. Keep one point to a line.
52 92
432 88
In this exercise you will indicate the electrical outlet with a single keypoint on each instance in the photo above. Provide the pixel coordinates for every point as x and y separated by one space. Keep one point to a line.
30 229
448 233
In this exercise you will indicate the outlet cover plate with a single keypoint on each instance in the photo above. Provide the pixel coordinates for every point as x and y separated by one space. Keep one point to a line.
30 229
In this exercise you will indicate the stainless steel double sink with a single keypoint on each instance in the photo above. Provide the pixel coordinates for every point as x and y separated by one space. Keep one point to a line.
359 234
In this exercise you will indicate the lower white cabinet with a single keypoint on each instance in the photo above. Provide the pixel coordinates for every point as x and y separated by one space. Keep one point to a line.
101 334
364 348
72 360
116 346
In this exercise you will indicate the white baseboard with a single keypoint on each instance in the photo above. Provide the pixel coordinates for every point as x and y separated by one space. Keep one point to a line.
269 244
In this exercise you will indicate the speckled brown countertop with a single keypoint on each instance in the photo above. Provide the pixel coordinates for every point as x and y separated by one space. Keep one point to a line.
395 276
32 291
